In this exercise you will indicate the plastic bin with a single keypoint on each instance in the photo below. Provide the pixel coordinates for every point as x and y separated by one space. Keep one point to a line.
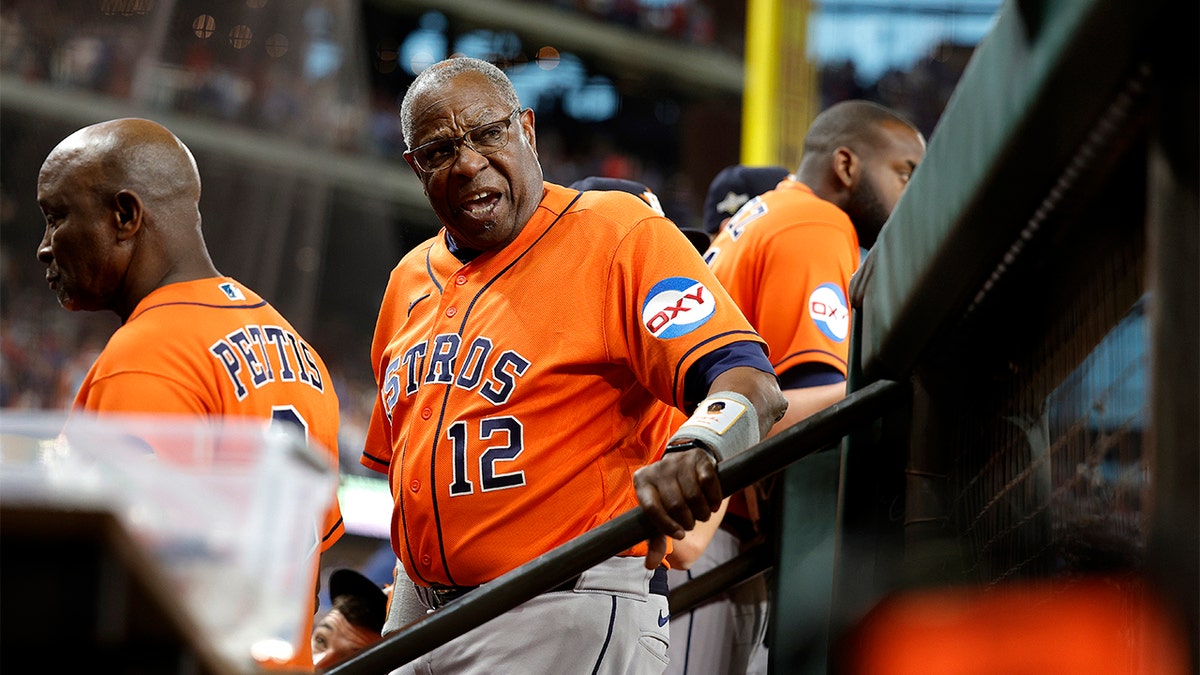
230 511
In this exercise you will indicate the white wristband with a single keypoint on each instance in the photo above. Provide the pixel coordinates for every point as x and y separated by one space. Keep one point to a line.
725 422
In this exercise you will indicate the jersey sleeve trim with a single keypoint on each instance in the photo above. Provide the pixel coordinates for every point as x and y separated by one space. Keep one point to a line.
741 354
794 355
677 383
334 533
374 463
810 374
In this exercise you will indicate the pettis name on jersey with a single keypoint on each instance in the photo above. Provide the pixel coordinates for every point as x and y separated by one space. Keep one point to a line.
256 355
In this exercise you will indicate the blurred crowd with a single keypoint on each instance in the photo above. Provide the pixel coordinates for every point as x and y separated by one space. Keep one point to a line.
311 89
45 351
689 21
205 59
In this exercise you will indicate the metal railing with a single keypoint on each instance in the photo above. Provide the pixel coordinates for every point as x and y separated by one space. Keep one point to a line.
811 435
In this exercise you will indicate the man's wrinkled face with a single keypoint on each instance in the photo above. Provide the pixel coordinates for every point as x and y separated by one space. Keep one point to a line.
85 265
483 200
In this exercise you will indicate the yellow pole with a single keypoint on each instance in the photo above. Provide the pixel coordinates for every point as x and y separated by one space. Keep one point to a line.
780 97
759 118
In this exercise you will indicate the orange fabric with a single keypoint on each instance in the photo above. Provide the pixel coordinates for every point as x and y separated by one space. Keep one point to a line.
213 347
1085 627
518 391
739 507
786 258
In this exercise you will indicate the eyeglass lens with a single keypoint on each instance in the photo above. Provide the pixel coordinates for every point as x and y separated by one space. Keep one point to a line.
484 139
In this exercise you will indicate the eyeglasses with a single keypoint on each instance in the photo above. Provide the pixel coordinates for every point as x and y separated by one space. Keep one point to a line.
484 139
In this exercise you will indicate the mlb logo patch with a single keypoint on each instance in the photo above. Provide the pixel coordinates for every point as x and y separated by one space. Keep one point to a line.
231 291
677 306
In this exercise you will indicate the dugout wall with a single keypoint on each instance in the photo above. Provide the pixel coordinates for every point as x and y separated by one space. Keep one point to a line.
1037 289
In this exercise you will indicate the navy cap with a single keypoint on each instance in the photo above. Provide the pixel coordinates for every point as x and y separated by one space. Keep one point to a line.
699 238
735 185
620 184
374 600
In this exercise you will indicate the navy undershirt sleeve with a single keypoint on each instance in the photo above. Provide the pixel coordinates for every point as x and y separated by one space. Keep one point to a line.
700 376
810 375
745 353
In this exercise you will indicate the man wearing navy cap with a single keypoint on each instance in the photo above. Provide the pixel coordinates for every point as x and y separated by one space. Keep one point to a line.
699 238
355 621
733 186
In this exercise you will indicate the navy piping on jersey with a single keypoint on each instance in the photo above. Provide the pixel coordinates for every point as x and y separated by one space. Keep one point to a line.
377 460
693 388
812 351
256 305
404 522
429 268
414 303
437 518
332 530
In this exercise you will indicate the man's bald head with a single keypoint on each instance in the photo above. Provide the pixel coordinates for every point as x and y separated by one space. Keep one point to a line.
134 154
860 156
122 206
856 124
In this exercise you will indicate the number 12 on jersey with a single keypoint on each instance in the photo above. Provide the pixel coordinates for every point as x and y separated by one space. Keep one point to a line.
507 429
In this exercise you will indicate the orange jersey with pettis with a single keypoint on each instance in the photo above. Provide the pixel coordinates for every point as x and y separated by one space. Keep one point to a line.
519 392
786 258
214 348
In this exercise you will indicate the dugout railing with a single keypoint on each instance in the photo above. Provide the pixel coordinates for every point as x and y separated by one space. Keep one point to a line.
1024 381
816 433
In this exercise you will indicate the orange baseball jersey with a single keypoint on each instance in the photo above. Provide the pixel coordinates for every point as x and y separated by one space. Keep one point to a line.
786 258
213 347
517 391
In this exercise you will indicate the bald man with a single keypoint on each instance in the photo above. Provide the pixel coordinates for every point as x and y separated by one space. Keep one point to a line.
121 204
787 255
786 258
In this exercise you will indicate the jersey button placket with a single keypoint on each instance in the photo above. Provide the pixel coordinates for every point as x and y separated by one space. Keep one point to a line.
415 485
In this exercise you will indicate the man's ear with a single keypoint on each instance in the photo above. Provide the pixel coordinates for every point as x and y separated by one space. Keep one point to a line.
846 167
525 119
128 210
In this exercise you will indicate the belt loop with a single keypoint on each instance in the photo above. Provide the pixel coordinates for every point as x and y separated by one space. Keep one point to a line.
425 596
